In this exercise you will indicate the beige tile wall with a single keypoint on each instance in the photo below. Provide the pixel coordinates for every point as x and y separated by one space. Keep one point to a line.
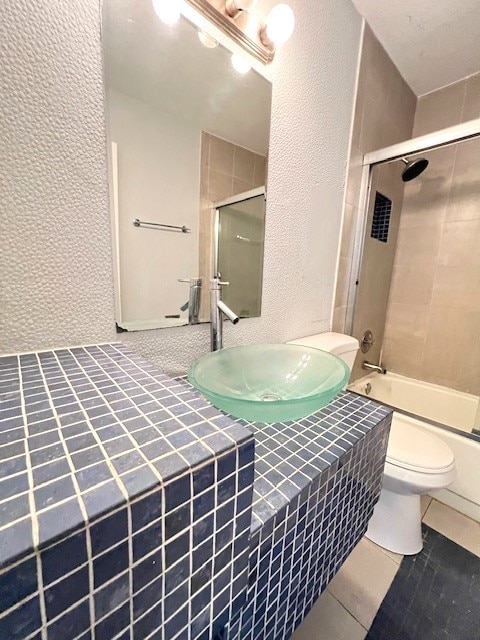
377 266
433 322
384 114
226 169
446 107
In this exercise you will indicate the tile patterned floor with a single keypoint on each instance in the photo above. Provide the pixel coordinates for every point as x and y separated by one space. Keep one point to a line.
454 525
348 586
350 604
434 595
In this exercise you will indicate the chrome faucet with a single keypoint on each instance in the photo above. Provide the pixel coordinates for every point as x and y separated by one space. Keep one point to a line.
368 366
218 309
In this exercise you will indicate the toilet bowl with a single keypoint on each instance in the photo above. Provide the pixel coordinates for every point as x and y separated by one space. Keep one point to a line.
417 463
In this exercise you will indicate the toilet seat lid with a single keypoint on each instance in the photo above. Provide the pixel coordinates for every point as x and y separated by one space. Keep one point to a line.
412 448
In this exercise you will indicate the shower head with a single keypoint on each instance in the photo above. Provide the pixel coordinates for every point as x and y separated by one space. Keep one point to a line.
413 168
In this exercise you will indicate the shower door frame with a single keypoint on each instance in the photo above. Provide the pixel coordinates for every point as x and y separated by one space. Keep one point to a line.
442 138
240 197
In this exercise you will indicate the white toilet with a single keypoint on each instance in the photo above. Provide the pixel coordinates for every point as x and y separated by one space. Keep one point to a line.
417 463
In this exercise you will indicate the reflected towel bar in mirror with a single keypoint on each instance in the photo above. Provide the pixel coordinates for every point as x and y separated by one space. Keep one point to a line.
139 223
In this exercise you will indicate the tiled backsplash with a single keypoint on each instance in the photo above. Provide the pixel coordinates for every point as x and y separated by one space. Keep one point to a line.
126 503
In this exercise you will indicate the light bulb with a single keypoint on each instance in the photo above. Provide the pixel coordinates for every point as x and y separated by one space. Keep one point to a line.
207 40
280 23
240 64
168 10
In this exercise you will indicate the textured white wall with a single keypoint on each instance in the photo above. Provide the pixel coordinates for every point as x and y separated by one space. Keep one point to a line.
55 256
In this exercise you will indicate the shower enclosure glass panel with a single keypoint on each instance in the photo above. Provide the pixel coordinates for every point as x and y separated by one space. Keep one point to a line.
418 287
239 260
476 425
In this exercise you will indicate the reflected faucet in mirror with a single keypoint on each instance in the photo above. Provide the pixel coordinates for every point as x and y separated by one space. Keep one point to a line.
218 309
193 304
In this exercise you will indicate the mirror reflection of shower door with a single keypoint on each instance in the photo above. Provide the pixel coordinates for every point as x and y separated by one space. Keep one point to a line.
239 256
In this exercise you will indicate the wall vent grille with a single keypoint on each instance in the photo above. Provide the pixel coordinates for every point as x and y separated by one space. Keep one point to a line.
381 217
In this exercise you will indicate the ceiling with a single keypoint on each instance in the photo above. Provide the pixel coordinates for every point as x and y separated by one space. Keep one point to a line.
432 42
168 68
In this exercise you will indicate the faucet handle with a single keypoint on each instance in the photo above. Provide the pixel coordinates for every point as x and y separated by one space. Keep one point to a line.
367 341
223 284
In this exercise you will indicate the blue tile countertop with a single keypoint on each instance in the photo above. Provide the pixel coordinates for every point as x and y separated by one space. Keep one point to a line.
289 457
317 481
126 503
125 500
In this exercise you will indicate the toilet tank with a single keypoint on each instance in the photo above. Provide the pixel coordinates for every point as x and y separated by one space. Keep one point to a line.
345 347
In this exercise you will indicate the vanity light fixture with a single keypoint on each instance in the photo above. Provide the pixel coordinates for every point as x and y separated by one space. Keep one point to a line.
279 27
240 64
168 10
234 7
237 20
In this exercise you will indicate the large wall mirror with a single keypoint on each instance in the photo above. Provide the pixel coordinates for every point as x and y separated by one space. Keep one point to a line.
187 138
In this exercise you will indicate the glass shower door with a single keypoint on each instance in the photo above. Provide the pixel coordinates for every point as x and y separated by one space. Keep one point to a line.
240 243
476 424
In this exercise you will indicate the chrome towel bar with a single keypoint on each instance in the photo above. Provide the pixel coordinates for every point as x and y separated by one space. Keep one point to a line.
139 223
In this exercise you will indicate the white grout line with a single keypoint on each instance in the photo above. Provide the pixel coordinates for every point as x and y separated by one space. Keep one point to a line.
80 496
100 444
51 350
33 514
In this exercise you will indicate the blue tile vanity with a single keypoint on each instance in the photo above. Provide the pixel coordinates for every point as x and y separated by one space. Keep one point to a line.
132 508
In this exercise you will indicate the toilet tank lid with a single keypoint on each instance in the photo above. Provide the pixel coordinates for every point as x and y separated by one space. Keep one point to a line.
336 343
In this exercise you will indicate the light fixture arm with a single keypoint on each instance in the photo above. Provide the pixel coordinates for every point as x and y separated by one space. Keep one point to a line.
231 8
259 43
265 40
235 7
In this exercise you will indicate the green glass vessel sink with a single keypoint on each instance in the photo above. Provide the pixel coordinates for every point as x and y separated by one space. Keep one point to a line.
269 382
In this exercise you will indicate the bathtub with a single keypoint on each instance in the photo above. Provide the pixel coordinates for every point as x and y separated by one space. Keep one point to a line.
422 404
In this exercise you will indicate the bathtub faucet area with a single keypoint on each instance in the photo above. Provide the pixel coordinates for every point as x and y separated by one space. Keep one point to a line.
448 414
368 366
